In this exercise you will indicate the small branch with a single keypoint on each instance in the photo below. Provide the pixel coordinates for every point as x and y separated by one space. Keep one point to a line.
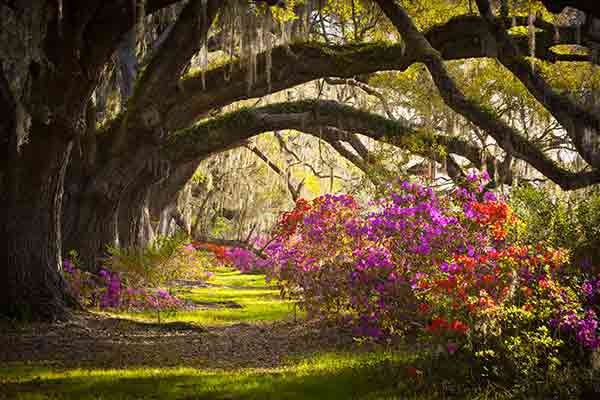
294 190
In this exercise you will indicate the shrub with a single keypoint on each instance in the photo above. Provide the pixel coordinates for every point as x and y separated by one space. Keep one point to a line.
459 266
131 278
165 259
569 222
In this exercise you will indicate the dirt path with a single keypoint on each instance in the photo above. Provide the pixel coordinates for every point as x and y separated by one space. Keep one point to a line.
97 341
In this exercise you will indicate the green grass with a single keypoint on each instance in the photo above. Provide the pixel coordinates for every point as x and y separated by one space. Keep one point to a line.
257 304
235 278
326 376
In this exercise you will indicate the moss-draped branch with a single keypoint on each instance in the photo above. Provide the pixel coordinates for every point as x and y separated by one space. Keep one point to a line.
326 119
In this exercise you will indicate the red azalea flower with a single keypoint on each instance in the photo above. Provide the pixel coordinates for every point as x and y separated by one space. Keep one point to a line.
423 308
459 327
437 324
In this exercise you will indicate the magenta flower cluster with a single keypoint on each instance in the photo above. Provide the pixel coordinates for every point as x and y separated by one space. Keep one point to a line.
107 290
414 255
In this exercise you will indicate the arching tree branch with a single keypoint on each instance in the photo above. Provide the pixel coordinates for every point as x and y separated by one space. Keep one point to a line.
326 119
582 126
507 138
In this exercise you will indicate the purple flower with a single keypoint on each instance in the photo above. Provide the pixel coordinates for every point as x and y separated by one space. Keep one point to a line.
489 196
444 267
588 289
472 177
68 266
451 347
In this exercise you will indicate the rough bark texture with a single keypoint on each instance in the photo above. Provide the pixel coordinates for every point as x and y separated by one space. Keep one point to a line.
36 141
32 283
47 75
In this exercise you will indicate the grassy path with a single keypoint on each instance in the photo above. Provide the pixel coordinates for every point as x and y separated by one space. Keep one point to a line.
239 340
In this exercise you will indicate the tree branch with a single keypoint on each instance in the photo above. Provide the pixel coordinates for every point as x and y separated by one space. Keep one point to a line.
507 138
582 126
318 118
183 41
293 189
461 37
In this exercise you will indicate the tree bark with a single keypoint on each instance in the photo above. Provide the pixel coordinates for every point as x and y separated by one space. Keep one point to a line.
32 285
133 217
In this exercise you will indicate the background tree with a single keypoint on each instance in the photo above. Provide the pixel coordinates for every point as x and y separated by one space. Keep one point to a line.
114 104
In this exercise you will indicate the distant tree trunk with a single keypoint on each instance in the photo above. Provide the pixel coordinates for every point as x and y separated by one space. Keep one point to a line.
96 230
134 224
89 218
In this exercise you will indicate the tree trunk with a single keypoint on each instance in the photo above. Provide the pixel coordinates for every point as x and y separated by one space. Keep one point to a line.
89 219
32 285
135 229
95 231
96 198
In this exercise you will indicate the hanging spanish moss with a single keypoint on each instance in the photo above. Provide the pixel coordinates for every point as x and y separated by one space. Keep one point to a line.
60 16
203 56
402 44
531 35
249 31
203 60
306 11
268 42
140 17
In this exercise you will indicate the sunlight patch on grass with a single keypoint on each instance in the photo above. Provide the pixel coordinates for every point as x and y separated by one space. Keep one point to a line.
236 278
226 305
321 376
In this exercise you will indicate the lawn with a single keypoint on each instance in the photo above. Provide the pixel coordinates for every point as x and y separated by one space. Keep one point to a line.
253 351
232 298
322 376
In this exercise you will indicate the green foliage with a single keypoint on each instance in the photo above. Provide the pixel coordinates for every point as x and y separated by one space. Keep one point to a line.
572 223
163 260
548 220
235 298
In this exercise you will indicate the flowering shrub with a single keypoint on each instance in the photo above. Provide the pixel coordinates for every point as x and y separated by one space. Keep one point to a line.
164 260
108 291
447 263
246 261
132 279
383 269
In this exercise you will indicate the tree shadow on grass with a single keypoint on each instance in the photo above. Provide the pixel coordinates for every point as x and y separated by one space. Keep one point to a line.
360 380
149 326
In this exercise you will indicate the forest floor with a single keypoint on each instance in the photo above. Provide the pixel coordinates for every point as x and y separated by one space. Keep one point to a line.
239 340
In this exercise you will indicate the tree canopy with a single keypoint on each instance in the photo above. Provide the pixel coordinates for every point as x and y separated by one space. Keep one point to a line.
109 106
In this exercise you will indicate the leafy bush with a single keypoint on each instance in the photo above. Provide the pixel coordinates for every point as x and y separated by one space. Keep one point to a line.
571 223
106 290
165 259
131 278
458 267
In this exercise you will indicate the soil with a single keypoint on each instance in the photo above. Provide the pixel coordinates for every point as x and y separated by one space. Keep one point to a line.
90 340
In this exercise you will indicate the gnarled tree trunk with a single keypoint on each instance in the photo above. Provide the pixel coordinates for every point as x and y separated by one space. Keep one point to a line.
31 285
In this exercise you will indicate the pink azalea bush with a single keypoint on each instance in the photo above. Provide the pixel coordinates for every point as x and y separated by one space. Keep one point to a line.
107 290
447 265
131 278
